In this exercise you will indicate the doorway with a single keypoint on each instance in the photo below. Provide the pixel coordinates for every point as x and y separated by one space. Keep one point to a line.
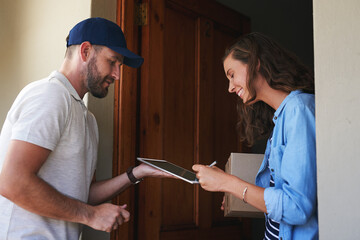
176 107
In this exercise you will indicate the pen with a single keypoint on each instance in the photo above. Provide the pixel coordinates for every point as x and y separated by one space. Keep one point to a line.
213 164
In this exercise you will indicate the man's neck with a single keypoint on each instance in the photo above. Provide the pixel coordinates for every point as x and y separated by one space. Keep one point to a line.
72 71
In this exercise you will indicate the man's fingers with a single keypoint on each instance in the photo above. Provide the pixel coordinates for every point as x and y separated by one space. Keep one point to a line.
119 220
124 214
124 206
108 217
115 226
223 204
122 217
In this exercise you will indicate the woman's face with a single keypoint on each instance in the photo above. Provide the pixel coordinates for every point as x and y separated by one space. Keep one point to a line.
236 71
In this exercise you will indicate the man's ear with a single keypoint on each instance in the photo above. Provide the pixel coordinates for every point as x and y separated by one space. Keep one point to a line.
85 50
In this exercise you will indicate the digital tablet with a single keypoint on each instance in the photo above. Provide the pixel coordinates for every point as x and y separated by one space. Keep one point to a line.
172 169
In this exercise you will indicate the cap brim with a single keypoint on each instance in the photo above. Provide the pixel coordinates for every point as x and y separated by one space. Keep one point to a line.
130 58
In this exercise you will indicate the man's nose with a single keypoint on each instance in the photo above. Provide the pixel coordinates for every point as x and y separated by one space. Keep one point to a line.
116 73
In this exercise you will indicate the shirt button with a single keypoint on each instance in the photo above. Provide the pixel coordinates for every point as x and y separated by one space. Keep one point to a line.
275 117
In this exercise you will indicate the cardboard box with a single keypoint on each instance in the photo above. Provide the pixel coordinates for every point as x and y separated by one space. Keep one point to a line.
244 166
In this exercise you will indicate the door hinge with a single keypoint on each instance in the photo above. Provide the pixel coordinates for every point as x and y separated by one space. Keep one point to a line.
141 14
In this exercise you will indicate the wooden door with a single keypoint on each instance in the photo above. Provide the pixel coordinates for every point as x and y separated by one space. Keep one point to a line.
186 116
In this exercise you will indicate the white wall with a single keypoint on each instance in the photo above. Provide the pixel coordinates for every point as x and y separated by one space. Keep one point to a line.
32 37
337 71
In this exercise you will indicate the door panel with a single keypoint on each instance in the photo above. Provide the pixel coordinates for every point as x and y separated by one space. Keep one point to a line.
195 118
179 110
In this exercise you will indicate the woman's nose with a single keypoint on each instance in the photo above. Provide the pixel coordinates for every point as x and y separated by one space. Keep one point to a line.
231 87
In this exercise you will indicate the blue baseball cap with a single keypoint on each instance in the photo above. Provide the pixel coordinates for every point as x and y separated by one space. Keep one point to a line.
100 31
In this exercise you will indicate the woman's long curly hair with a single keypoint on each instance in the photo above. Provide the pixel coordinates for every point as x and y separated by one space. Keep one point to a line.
282 71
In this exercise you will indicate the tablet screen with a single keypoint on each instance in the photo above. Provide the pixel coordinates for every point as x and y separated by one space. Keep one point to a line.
172 169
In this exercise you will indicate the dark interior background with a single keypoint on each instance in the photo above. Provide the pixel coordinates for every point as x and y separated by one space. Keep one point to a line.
288 22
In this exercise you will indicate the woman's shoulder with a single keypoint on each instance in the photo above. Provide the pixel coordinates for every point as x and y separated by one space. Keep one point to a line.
300 111
301 99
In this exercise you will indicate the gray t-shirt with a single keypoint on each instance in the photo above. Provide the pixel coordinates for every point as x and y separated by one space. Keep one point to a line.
50 114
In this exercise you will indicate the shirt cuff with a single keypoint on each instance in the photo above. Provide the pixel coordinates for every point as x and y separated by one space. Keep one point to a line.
273 203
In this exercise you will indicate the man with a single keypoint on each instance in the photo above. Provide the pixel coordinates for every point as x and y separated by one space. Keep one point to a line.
48 144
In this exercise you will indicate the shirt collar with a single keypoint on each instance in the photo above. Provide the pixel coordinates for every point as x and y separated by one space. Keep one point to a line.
61 77
282 105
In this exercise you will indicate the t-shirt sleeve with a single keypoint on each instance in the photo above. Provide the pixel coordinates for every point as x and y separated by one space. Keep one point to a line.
41 114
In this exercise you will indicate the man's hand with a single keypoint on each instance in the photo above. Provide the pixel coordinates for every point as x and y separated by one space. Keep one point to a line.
144 170
107 189
107 217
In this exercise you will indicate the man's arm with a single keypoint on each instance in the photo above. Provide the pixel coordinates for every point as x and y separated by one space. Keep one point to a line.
20 184
105 190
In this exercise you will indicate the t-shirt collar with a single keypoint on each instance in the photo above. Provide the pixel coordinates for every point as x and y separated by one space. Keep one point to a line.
61 77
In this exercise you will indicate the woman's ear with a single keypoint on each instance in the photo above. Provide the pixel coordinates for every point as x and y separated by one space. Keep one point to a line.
258 66
85 50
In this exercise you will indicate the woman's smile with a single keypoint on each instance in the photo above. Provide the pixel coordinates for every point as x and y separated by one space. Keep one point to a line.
240 92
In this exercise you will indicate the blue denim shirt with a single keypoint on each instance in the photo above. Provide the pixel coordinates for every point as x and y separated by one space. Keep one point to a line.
291 160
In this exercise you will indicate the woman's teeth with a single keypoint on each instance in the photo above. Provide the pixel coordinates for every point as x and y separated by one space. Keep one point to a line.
240 92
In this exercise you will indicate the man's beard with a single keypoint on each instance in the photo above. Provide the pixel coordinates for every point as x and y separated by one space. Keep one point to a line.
94 80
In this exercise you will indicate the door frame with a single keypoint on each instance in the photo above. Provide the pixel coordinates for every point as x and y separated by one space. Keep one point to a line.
125 118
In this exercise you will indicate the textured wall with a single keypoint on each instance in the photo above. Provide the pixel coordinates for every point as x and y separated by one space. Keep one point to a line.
337 58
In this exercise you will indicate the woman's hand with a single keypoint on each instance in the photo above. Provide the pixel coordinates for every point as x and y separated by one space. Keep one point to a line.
144 170
211 178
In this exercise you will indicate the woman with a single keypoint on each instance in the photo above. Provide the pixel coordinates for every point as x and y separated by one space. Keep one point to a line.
277 93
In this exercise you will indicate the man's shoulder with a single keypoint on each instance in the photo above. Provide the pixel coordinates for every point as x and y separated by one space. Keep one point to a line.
49 87
48 83
41 94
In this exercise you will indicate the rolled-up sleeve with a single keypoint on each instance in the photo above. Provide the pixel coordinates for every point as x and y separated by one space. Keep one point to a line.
293 199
